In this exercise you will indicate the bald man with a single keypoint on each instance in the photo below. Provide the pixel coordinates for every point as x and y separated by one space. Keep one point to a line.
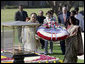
40 19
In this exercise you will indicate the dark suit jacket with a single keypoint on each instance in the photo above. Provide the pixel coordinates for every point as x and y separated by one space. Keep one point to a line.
61 19
40 19
19 17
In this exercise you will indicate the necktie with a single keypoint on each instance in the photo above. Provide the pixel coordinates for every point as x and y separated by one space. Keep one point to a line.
64 16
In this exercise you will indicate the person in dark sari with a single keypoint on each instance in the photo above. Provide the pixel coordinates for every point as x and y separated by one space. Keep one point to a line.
73 13
73 43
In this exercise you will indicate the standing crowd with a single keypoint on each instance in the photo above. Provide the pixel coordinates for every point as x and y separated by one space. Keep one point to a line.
73 22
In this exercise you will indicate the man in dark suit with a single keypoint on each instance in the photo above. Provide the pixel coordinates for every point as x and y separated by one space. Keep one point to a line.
40 19
62 19
20 15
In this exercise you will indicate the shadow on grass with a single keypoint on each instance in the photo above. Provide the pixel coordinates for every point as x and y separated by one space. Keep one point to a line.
55 54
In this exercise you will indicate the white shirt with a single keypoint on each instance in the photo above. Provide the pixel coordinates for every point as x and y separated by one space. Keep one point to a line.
65 14
81 20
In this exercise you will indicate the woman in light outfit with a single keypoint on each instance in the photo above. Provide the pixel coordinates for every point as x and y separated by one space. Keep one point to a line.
74 45
31 43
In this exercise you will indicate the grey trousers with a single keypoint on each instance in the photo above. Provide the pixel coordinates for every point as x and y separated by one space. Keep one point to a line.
46 46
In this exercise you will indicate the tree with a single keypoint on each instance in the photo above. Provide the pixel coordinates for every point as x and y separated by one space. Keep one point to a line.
57 5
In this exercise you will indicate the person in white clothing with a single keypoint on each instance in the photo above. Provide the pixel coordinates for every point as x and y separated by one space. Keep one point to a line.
80 18
31 42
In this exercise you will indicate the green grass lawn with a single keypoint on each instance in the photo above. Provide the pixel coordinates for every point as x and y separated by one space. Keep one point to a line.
8 15
58 53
